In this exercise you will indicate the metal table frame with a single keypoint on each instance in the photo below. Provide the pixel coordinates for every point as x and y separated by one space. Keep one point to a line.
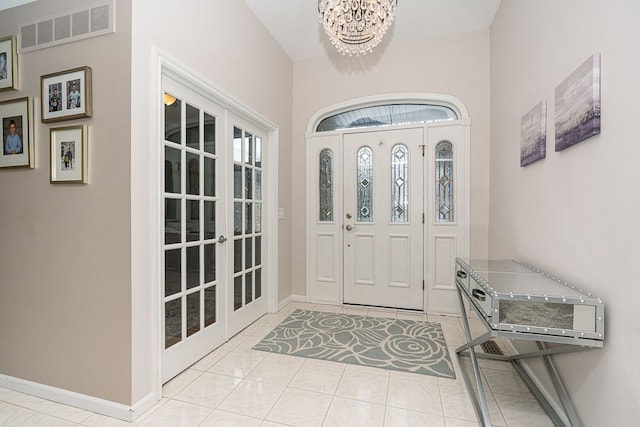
570 418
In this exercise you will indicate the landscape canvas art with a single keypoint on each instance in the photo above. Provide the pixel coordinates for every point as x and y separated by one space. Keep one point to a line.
578 105
533 136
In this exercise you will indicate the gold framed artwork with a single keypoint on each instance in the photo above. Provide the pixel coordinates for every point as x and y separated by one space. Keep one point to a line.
66 95
8 63
16 119
69 155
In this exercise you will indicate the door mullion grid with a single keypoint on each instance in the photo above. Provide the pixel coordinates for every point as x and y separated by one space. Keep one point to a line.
245 218
201 218
240 237
183 221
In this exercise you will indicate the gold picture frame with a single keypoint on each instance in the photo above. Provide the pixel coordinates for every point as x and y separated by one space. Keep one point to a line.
69 155
16 127
66 95
8 63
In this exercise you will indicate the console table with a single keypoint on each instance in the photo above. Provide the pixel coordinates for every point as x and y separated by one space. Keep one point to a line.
515 300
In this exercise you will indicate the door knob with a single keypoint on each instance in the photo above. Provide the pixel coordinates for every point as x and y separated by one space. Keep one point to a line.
222 239
350 227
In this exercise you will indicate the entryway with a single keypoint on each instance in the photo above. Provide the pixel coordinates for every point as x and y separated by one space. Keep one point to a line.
387 202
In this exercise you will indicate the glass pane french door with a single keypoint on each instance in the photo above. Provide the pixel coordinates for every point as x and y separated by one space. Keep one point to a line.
246 300
194 213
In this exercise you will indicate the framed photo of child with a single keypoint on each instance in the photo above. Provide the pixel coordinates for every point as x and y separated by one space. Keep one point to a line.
66 95
69 155
16 123
8 63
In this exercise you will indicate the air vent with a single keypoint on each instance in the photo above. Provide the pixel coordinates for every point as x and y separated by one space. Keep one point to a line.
491 347
73 25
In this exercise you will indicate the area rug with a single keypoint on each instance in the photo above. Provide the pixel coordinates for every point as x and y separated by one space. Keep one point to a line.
402 345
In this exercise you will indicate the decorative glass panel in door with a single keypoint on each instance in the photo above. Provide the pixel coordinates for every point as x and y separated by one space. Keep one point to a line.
444 182
399 183
193 219
325 189
365 185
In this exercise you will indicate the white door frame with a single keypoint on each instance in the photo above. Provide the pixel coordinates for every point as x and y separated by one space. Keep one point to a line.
166 65
333 140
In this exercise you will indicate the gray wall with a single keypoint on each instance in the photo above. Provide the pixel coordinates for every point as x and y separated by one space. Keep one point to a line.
65 305
574 213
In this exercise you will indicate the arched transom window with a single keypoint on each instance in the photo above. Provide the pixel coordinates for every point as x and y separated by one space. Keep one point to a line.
387 115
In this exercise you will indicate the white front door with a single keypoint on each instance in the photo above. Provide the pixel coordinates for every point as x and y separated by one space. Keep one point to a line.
383 218
194 273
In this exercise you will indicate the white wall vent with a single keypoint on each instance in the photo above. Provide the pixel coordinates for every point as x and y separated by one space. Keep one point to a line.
78 24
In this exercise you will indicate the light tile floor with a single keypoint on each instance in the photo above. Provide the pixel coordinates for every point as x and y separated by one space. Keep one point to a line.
237 386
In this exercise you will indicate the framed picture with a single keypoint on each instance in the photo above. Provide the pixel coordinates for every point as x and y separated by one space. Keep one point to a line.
66 95
69 154
578 104
16 119
533 134
8 63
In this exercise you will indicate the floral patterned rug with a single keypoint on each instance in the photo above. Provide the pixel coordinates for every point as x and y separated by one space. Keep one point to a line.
402 345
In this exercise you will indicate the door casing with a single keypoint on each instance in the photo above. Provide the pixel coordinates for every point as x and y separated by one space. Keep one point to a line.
167 66
324 274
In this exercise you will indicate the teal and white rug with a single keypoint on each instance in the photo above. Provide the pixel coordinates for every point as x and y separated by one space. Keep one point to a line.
398 344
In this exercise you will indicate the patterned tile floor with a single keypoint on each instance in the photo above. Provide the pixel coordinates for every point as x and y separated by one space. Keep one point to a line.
237 386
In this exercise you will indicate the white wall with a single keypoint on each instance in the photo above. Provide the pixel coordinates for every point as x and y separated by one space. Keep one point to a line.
455 65
223 43
574 214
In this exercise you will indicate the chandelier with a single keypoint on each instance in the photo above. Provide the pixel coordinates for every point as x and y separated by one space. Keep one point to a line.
355 27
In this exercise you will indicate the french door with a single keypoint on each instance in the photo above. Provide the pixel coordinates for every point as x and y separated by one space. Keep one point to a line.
383 218
194 211
212 276
246 300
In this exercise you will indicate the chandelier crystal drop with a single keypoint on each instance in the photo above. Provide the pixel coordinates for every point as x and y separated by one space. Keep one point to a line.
355 27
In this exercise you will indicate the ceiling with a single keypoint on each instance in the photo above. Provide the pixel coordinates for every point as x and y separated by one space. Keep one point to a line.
295 26
7 4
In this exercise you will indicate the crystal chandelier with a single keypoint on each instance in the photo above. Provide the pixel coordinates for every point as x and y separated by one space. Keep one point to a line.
355 27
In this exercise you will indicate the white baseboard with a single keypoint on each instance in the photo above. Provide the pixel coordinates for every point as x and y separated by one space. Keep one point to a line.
143 405
298 298
284 302
78 400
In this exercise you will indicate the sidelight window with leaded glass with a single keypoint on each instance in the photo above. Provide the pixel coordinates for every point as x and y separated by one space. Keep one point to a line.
325 185
247 217
365 184
399 183
444 202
